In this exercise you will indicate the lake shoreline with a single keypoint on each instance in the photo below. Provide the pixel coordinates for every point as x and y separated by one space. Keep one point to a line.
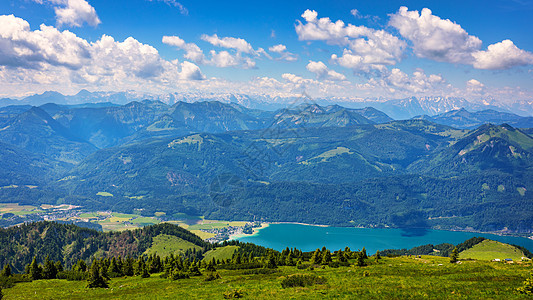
310 236
255 232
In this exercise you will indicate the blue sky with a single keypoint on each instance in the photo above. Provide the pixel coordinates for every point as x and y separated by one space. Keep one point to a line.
356 49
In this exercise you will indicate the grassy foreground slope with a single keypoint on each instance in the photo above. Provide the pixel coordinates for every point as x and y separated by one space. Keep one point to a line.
489 250
392 278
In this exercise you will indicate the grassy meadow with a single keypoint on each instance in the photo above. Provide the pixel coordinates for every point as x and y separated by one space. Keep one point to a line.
391 278
489 250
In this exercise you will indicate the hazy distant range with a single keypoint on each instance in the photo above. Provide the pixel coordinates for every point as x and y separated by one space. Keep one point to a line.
398 109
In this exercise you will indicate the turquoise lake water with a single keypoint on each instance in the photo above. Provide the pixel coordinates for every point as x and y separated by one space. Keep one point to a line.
308 238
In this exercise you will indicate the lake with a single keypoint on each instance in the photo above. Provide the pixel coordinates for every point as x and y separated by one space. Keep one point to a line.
309 238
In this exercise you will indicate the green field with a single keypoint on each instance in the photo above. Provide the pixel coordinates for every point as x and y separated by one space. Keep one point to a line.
207 224
220 253
489 250
164 244
392 278
19 210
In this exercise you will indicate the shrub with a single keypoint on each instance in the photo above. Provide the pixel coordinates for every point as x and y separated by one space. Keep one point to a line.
302 281
241 266
212 276
527 286
176 274
72 275
259 271
233 294
303 266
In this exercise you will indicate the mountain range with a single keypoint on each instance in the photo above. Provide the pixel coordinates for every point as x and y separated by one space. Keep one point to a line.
303 163
399 109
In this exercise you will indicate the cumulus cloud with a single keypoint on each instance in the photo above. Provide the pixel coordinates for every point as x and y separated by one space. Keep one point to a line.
419 82
48 56
282 51
193 52
367 49
502 55
73 12
223 59
474 86
238 44
323 72
183 10
443 40
190 71
21 47
435 38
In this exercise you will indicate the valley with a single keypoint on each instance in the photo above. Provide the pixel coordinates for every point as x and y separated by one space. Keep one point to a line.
306 163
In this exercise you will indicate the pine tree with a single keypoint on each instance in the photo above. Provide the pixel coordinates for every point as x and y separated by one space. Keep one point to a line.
378 257
80 266
96 280
341 256
326 257
455 256
49 269
35 271
59 266
127 266
270 261
360 259
363 252
316 258
6 272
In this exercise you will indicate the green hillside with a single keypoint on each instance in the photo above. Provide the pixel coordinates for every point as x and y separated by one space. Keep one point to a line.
165 244
489 250
220 253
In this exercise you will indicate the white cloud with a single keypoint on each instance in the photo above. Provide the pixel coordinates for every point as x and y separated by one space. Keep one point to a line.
419 82
190 71
474 86
20 47
193 52
183 9
435 38
223 59
73 12
356 13
368 49
242 54
502 55
48 56
446 41
238 44
278 48
323 72
282 51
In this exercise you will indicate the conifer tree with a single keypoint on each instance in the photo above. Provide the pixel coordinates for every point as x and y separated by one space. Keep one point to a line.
6 271
96 280
80 266
35 271
363 252
316 258
454 257
360 259
59 266
326 257
377 255
49 269
127 266
341 256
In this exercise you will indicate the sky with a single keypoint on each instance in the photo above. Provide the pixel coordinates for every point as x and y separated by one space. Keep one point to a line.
352 49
